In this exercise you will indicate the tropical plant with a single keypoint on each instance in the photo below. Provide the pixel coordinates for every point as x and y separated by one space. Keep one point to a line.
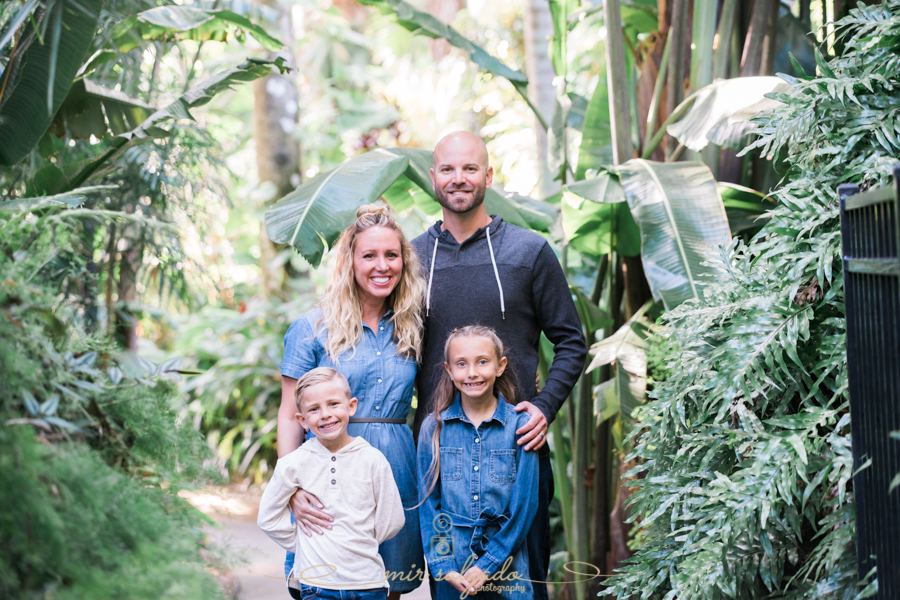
745 488
93 444
95 441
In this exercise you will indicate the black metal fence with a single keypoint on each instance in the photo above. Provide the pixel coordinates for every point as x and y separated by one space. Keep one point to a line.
870 224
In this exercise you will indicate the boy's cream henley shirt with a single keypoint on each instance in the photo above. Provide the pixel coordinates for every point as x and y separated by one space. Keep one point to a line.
357 488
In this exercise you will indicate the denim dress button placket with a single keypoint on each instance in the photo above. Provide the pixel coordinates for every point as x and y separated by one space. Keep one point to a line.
476 478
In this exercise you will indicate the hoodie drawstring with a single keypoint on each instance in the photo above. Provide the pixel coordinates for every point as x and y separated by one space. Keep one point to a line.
493 264
496 274
430 278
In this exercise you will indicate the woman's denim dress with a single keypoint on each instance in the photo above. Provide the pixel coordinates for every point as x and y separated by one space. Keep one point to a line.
382 382
482 506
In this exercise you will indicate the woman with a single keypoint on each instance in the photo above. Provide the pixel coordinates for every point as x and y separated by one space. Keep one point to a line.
368 326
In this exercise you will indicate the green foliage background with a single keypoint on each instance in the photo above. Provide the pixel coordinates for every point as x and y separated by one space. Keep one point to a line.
745 488
92 451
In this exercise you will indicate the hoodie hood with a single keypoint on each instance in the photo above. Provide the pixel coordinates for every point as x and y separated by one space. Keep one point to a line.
443 236
355 445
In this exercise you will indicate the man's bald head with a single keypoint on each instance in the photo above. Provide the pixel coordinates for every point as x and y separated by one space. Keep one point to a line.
461 143
461 174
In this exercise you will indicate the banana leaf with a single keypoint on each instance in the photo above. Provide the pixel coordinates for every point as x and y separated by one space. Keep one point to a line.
722 111
252 68
681 216
621 395
170 23
312 216
45 75
559 11
91 109
596 135
595 218
73 199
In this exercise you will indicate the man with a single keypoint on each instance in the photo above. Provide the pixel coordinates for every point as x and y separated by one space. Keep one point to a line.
482 271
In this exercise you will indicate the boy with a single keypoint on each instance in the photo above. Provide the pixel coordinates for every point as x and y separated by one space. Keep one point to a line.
352 479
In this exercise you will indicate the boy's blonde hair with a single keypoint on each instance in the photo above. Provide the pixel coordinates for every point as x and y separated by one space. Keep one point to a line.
317 376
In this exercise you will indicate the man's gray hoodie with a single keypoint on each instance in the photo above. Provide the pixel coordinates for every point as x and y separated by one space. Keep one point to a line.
509 279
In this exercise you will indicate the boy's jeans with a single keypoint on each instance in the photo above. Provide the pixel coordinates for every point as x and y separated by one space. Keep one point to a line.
307 592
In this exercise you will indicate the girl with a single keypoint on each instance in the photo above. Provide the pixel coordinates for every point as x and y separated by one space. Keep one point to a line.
476 484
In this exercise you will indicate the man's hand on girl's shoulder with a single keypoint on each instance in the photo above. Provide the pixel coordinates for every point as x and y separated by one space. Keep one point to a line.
534 432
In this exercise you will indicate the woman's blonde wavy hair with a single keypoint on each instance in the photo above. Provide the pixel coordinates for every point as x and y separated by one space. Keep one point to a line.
341 307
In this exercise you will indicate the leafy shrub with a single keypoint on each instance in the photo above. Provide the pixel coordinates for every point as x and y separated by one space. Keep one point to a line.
745 488
91 451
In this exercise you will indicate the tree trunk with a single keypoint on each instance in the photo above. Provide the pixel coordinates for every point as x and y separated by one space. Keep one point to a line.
650 68
275 116
541 92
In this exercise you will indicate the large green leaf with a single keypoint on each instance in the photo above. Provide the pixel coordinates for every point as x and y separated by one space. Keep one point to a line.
681 217
91 109
595 218
169 23
596 135
559 10
71 198
252 68
312 216
44 78
619 396
722 111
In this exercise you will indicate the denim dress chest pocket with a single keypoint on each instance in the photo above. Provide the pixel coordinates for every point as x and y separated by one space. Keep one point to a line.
451 464
503 466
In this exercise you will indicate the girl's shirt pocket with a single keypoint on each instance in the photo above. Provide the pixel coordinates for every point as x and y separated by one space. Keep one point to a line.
451 464
503 466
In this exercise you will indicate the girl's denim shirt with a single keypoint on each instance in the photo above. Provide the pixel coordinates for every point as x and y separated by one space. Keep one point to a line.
484 500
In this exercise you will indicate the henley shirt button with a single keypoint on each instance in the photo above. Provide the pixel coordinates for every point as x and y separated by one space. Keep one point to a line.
476 467
333 482
332 469
333 458
477 440
382 328
377 408
475 497
378 354
379 381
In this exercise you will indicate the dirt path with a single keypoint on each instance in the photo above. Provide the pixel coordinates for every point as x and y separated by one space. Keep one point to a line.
257 562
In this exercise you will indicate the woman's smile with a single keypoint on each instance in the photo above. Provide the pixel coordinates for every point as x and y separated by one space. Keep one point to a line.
377 264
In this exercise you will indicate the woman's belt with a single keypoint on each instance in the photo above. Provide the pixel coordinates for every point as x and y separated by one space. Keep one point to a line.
377 420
